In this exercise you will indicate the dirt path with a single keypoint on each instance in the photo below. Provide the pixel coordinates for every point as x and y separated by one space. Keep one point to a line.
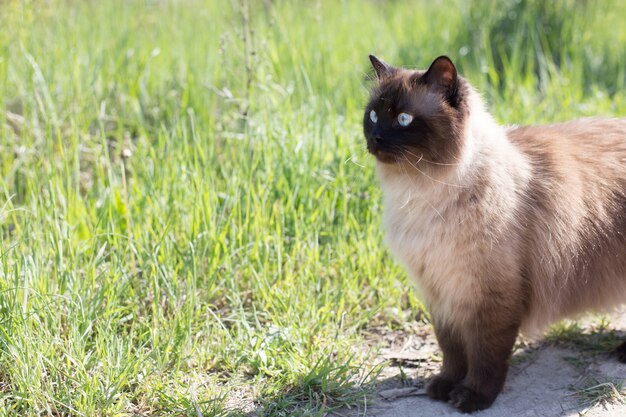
566 377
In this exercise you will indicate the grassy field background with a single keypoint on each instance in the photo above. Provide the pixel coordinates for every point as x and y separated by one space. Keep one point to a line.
189 220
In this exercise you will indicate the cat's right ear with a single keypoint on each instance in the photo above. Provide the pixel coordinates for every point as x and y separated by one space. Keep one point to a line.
382 70
442 74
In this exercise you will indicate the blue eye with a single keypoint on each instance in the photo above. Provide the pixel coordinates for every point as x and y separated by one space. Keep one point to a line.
373 116
404 119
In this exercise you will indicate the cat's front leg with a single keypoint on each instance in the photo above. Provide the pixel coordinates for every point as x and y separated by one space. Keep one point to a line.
454 366
488 348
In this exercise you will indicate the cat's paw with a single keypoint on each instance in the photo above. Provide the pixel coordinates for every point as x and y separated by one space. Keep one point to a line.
621 352
439 388
467 400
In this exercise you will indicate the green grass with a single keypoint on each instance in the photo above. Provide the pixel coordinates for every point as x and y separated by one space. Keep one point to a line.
591 392
594 340
187 212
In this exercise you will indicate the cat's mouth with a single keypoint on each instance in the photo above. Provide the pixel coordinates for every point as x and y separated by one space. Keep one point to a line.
384 155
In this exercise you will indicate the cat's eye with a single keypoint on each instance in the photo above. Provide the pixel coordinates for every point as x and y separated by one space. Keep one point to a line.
404 119
373 116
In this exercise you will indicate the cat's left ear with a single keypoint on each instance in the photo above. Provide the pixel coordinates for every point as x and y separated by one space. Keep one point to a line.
382 69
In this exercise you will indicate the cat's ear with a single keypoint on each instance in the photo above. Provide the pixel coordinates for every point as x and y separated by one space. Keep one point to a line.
442 74
382 70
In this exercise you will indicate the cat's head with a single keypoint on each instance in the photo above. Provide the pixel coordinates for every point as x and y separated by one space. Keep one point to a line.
416 116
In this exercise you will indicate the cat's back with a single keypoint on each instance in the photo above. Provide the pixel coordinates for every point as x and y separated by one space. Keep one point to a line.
578 167
575 214
593 144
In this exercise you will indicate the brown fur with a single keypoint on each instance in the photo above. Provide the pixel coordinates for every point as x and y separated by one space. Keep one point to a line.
503 229
576 214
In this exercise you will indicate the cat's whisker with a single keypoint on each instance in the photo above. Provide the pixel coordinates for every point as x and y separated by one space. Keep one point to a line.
410 177
421 157
431 178
351 159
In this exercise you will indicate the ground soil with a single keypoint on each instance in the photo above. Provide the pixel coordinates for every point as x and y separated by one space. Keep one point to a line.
564 376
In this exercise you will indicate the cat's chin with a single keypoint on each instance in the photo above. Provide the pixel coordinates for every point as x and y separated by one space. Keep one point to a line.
386 157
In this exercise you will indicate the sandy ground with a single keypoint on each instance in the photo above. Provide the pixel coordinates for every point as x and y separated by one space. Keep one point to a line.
546 379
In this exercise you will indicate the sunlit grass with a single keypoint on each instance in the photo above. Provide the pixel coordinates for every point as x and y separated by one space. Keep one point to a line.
187 210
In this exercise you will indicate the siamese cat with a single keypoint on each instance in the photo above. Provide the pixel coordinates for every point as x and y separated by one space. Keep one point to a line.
504 229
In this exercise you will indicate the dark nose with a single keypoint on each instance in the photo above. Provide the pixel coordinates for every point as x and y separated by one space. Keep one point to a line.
376 135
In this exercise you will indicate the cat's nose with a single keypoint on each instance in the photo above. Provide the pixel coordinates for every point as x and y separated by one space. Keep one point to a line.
376 134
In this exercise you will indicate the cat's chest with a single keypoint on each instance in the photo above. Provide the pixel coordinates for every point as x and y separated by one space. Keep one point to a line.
426 236
422 232
418 235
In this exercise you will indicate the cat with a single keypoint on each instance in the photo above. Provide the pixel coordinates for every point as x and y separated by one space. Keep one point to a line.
504 229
